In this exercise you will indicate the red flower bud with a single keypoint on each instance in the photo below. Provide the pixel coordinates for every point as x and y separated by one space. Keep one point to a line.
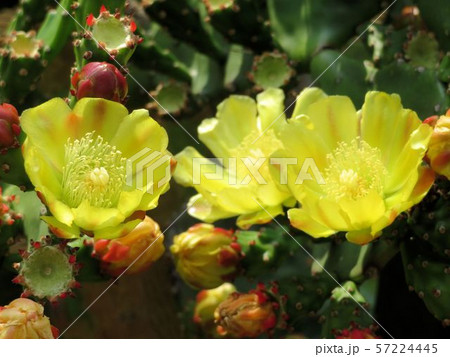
9 126
245 315
134 252
100 80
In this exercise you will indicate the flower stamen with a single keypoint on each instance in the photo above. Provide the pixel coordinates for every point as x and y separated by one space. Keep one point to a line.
93 171
354 169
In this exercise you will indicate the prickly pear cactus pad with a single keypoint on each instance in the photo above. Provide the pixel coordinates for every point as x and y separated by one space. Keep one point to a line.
227 169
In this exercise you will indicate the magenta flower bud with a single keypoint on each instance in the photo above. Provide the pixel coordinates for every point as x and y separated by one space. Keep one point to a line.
100 80
9 126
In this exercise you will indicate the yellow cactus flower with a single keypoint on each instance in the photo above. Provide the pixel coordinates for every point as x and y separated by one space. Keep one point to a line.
97 167
439 148
370 163
237 136
24 318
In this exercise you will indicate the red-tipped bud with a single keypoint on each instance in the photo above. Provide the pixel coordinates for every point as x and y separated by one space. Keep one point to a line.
100 80
205 256
207 302
245 315
132 253
439 147
9 126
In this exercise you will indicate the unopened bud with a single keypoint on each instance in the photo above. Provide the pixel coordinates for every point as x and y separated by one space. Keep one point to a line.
134 252
206 256
100 80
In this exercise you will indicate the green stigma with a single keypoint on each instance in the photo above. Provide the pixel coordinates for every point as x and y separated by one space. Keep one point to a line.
93 171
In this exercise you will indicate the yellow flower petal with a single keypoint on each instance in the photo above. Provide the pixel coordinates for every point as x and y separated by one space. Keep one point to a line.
365 211
95 114
397 132
270 104
61 230
300 219
40 170
360 237
335 118
129 201
47 128
204 210
245 221
235 119
95 218
195 170
138 131
411 156
116 231
307 97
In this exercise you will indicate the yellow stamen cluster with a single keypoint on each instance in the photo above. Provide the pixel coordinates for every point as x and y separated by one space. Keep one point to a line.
93 171
354 169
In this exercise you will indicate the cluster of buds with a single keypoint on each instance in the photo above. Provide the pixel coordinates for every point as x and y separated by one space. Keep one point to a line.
356 332
206 304
48 270
9 127
132 253
439 147
206 256
25 319
100 80
109 36
7 215
252 314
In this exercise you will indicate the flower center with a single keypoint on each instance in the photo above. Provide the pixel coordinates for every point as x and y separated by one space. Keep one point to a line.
93 171
354 169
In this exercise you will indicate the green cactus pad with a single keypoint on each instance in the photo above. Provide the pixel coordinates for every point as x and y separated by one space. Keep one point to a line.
444 69
427 96
423 51
346 77
436 14
343 309
429 276
186 21
242 22
303 27
430 220
239 64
